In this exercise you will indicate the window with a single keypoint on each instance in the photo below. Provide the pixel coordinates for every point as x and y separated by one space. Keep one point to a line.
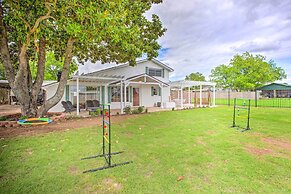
115 94
155 91
155 72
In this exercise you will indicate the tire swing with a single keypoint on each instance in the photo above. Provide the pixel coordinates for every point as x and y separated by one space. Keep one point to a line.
35 121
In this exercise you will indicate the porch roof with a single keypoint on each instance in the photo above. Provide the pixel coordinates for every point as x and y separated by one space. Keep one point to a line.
96 79
188 83
142 79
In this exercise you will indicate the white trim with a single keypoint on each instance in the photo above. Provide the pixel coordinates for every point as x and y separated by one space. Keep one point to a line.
200 96
121 98
127 64
187 83
78 100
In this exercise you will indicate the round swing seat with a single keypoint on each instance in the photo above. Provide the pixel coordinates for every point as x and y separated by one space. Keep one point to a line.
35 121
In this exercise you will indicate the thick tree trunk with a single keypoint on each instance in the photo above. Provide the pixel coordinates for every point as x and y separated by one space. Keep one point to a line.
4 51
21 84
63 81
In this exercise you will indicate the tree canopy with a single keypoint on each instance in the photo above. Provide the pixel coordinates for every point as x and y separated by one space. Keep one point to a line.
104 30
53 67
247 72
195 77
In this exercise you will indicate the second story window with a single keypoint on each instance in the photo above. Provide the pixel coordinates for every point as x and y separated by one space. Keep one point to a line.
155 72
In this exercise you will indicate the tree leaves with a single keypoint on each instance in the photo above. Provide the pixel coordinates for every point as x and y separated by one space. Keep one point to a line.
195 77
247 72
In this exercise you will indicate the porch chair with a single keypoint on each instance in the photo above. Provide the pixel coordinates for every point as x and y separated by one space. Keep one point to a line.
96 103
67 107
71 106
90 106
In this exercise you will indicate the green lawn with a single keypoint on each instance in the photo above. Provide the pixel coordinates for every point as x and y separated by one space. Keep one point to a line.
270 102
196 144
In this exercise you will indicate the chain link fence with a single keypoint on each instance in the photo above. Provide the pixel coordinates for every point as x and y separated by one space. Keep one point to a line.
226 97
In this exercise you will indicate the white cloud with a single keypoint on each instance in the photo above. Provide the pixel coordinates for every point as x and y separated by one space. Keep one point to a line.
203 34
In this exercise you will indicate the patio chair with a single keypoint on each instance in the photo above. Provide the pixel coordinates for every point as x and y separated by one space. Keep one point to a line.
90 106
67 107
96 103
71 106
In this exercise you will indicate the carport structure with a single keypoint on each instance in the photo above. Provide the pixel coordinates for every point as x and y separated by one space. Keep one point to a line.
183 85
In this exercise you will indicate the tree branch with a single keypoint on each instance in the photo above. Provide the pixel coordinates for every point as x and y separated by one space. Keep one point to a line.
63 81
4 50
40 68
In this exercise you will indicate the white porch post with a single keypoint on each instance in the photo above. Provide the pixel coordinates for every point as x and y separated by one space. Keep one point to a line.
162 106
121 97
182 97
200 97
106 94
100 95
78 101
213 96
125 94
189 98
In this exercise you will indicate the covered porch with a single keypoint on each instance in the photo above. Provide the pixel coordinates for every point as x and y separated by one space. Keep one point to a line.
186 93
140 90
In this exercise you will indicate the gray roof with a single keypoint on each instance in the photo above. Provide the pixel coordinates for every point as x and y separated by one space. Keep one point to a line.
127 64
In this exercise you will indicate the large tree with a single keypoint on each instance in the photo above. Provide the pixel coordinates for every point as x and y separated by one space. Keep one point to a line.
195 77
53 67
247 72
105 30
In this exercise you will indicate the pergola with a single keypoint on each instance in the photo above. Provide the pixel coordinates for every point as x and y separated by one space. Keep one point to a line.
119 81
182 84
96 81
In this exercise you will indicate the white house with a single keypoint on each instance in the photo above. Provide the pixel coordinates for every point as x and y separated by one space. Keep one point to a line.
146 84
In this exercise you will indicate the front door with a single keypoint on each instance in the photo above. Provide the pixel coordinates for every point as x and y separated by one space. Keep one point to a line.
135 96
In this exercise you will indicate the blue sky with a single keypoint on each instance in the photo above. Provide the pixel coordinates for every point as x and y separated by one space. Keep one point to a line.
203 34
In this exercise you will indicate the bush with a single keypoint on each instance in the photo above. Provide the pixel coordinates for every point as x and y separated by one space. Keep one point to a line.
140 109
3 118
98 111
23 117
127 110
135 111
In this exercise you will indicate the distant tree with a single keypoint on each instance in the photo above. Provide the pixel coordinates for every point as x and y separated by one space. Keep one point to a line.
52 67
195 77
247 72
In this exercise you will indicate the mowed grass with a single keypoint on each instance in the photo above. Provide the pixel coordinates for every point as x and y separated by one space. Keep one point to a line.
268 102
196 144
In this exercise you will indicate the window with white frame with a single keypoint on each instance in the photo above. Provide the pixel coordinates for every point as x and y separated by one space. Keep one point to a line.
155 91
115 93
155 72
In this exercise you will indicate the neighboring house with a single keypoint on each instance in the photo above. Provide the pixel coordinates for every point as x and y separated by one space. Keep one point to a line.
48 89
275 90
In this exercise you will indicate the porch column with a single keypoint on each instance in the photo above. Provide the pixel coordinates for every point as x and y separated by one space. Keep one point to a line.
213 96
182 97
100 95
78 101
189 98
121 97
106 94
124 94
162 106
200 97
